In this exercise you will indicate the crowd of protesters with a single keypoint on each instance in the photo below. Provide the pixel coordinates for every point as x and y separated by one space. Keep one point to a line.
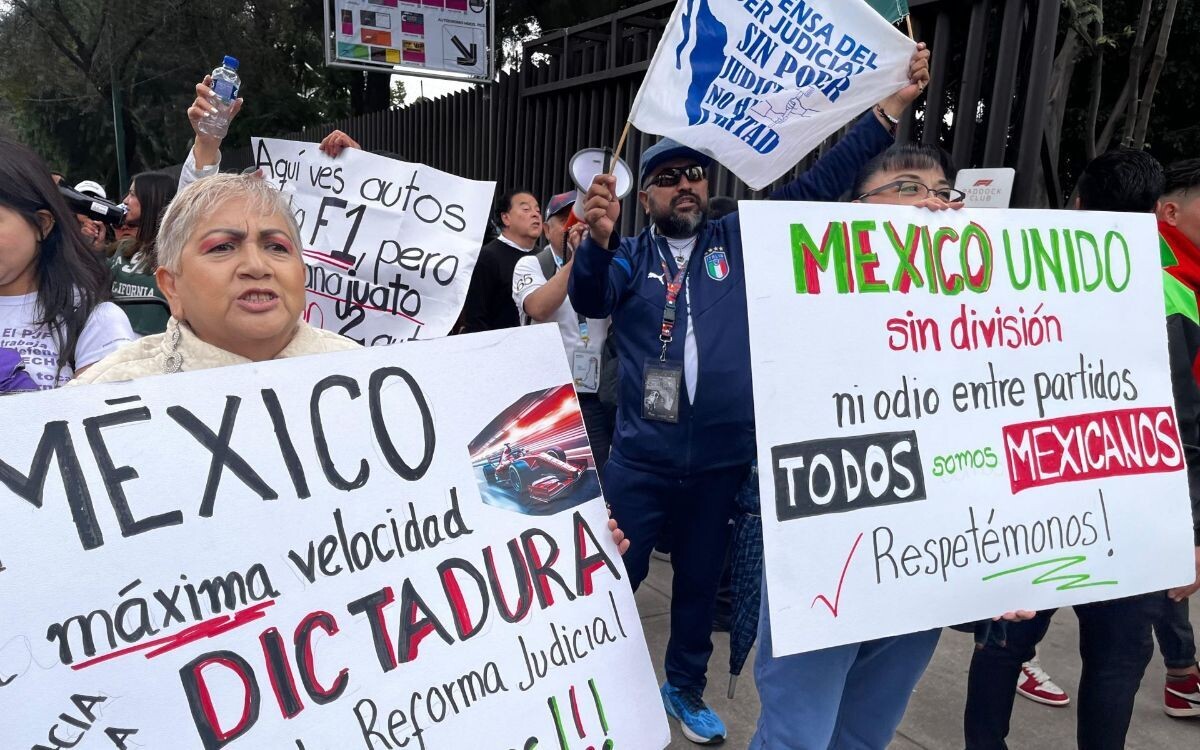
173 288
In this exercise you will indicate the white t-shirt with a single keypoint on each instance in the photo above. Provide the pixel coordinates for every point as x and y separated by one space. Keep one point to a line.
105 331
528 278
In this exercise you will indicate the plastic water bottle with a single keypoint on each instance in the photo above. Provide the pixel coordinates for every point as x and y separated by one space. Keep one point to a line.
225 84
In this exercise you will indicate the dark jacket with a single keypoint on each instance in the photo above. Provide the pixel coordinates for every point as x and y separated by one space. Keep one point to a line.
716 428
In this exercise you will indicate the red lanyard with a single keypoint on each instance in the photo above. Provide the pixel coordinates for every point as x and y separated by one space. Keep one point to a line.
668 320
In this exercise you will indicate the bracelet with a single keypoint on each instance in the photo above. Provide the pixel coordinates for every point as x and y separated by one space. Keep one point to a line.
893 122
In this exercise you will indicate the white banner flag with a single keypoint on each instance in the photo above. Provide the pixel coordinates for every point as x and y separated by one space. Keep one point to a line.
389 246
757 85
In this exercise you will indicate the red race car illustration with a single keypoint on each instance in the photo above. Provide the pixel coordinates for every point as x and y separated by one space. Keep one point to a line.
539 476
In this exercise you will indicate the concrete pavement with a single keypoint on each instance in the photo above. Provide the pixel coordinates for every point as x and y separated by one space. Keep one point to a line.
934 718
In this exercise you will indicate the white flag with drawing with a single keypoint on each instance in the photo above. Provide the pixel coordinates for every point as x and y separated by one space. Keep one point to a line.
758 85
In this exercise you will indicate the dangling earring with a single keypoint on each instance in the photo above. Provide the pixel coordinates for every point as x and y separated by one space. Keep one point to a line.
174 360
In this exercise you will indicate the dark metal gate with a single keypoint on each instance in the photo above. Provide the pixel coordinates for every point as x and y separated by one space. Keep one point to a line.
991 63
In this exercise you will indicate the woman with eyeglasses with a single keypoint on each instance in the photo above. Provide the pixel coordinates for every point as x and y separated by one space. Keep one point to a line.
54 322
854 696
908 174
134 257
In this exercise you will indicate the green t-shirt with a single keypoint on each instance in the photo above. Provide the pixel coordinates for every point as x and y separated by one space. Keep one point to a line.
129 281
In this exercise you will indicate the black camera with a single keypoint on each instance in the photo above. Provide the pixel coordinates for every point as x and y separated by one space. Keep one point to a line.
98 209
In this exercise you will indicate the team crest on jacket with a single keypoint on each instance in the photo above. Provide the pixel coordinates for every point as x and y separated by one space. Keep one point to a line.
717 263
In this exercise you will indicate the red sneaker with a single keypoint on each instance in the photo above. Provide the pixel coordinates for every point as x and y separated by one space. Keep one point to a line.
1181 698
1037 686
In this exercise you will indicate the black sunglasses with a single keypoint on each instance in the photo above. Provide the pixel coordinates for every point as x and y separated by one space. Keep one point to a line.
671 177
918 190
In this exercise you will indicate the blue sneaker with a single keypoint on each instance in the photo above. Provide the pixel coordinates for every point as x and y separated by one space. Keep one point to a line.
699 723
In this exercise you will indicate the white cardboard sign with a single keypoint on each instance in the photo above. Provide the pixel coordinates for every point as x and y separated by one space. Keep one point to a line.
959 414
986 188
389 245
311 553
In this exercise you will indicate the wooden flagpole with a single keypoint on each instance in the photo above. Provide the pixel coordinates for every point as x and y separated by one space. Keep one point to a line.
620 145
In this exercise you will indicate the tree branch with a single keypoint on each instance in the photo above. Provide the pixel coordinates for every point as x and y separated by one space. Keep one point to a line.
1135 70
46 29
1097 83
1160 57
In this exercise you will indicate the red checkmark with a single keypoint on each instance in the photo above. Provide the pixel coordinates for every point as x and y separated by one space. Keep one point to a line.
837 598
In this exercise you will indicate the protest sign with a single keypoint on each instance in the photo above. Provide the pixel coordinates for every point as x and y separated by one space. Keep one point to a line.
757 85
389 246
342 551
959 414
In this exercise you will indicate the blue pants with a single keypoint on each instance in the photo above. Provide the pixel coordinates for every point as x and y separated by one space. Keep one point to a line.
848 697
698 507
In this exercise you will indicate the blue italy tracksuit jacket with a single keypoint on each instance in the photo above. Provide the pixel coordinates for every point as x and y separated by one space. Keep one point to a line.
716 427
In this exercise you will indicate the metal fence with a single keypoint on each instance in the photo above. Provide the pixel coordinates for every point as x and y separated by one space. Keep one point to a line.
991 63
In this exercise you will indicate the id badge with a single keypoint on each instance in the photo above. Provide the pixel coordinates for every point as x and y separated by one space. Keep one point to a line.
661 383
585 369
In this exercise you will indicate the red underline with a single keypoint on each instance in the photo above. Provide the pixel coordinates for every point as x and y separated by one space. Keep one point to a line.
207 629
366 307
324 258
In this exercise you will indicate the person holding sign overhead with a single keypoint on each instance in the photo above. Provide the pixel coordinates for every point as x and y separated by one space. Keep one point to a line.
854 696
685 425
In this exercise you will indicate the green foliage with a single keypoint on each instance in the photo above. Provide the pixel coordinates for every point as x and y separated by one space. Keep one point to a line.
62 56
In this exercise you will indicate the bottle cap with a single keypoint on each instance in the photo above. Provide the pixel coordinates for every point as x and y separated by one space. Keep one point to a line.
231 62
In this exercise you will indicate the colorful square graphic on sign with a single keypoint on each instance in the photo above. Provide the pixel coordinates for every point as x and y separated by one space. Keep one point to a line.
457 5
412 23
534 458
374 36
385 3
347 22
414 52
377 20
435 3
385 55
354 51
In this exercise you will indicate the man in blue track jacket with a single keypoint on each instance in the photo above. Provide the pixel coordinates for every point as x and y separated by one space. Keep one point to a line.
685 425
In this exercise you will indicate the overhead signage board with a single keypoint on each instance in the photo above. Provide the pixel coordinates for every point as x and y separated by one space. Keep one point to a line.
436 38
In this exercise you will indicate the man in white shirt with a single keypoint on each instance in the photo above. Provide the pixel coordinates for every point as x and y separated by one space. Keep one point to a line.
539 290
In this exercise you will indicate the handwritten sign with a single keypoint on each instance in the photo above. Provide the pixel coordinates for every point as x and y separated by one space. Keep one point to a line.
343 551
757 84
389 245
966 413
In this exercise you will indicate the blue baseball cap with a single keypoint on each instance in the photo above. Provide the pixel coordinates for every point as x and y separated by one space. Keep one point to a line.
560 203
663 152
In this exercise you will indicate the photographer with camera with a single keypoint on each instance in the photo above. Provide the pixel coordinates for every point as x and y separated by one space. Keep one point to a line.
52 287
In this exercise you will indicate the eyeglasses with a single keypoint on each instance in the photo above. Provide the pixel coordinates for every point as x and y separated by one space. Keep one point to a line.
918 190
671 177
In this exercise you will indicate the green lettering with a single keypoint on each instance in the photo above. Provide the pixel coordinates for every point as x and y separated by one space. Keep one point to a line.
865 261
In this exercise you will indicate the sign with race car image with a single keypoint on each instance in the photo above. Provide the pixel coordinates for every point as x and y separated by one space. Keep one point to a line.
389 246
967 409
305 553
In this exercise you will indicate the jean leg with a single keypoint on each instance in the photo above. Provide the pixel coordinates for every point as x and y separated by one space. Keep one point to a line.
1115 646
880 684
799 695
992 682
1176 640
